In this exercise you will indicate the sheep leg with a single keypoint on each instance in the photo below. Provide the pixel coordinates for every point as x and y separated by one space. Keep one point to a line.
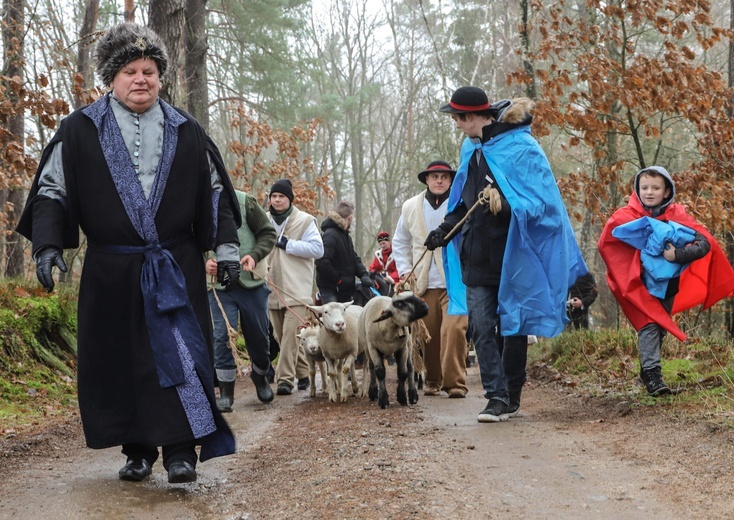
312 376
402 366
372 391
382 397
412 392
324 377
344 366
332 379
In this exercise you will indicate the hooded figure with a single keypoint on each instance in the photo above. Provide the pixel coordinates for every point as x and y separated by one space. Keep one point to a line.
705 281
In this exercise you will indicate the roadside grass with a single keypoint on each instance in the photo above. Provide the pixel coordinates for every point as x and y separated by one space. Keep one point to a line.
37 354
605 362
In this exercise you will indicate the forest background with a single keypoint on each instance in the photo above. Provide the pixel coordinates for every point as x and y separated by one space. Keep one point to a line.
342 97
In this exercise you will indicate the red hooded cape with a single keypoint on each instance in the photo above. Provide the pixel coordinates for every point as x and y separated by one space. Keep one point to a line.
705 281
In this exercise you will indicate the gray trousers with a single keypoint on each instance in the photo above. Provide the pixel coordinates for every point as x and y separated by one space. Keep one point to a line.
650 339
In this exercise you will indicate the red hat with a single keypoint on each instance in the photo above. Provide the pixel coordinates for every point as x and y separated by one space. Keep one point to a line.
435 167
383 235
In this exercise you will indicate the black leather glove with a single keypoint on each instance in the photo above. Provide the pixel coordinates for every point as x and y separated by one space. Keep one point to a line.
367 281
46 259
435 239
228 271
282 242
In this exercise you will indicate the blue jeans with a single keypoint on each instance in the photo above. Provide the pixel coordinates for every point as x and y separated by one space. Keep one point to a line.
248 307
501 369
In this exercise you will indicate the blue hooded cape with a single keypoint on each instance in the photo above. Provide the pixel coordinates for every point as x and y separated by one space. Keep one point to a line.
650 235
542 259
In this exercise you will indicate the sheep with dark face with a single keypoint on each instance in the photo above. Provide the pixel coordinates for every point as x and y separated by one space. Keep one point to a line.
384 330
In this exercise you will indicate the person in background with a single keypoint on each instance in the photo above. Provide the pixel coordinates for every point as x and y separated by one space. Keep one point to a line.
340 266
150 192
580 297
445 354
515 256
689 265
245 302
291 267
383 263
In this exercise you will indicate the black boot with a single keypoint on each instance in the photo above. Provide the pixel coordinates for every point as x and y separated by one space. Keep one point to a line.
226 396
264 392
514 407
653 380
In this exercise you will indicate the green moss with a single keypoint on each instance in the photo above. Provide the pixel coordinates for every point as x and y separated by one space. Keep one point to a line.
38 352
607 362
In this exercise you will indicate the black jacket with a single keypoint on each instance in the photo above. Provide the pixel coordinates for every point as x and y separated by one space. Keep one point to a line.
584 288
337 269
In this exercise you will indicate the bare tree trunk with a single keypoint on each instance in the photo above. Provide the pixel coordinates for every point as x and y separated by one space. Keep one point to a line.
129 13
13 34
531 89
195 68
729 311
167 18
84 67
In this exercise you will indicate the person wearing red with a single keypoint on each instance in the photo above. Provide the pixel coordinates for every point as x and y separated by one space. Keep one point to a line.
705 276
383 263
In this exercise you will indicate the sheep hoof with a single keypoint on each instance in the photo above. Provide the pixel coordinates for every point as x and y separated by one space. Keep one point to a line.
413 396
372 394
402 398
384 401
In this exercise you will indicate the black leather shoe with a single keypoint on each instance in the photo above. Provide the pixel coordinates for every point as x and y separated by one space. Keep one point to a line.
180 472
284 389
135 470
304 383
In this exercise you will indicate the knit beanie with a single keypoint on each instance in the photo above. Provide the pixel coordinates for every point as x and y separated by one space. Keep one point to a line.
127 42
284 187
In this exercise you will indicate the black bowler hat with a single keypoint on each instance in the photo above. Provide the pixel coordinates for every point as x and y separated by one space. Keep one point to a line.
465 100
436 167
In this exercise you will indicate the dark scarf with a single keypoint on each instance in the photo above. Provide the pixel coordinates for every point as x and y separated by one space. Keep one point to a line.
279 218
436 200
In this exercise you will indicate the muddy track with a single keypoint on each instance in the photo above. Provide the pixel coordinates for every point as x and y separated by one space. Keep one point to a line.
565 456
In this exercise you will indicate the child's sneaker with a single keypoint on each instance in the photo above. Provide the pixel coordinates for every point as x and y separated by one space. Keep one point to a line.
653 381
495 411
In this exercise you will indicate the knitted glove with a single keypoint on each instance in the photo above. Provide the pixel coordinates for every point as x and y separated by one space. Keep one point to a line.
282 242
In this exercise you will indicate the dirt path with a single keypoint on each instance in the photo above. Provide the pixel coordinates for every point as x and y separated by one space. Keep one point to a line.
564 457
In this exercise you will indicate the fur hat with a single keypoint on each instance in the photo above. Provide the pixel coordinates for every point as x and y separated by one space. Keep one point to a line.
124 43
435 167
465 100
344 208
383 235
284 187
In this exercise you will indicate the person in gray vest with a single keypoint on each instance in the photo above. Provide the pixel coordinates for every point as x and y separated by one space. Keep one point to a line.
245 302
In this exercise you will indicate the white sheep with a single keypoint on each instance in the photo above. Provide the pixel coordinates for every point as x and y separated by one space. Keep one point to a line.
308 339
337 337
384 330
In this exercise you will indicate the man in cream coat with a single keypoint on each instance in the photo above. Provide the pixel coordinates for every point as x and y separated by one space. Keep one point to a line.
445 356
292 269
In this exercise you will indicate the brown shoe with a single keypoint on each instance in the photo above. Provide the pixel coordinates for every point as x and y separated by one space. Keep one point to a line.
456 393
432 390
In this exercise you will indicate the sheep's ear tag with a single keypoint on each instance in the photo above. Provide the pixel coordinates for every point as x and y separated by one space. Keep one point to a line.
403 332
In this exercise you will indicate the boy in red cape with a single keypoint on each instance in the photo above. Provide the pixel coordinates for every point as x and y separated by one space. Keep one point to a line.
708 279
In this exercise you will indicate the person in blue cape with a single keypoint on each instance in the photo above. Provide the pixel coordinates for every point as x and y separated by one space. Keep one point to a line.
515 256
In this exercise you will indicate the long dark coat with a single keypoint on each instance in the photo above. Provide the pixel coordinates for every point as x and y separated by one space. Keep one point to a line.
120 398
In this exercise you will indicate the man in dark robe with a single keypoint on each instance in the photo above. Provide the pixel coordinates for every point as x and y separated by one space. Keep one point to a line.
149 190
